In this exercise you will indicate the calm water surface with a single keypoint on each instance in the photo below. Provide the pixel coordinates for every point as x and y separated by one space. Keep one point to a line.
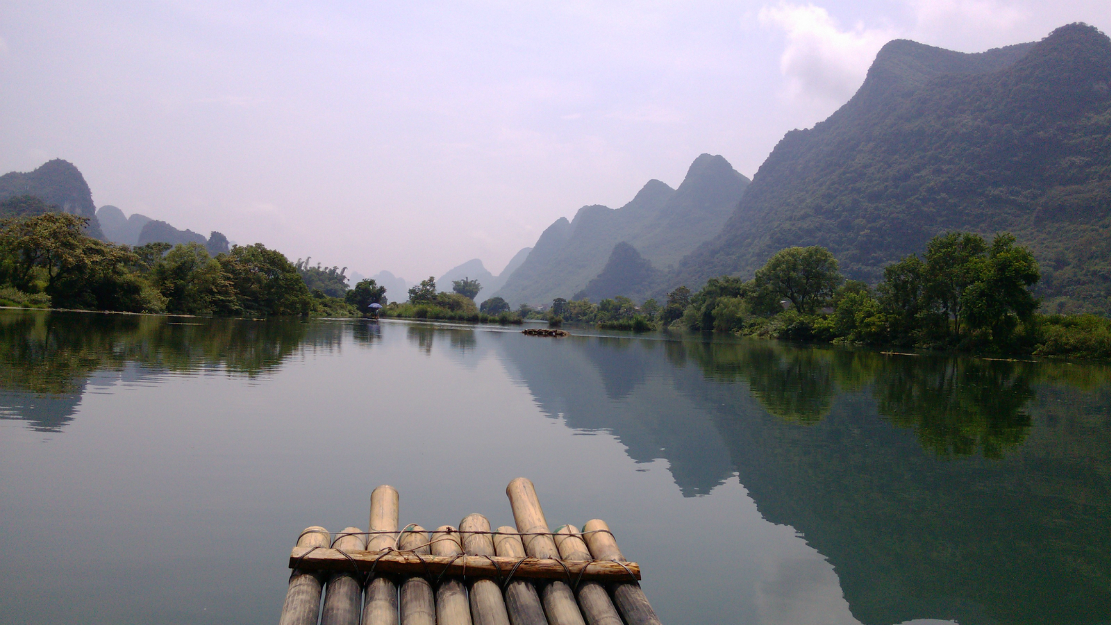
158 470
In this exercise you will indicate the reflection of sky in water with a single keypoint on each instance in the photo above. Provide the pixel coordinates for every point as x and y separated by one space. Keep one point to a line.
220 470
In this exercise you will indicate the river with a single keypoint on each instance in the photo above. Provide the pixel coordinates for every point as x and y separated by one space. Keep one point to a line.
158 469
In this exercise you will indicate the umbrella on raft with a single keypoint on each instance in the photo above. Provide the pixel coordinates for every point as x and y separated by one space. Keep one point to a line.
375 306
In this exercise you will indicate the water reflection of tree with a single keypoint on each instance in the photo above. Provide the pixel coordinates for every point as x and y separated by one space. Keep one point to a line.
51 353
790 383
957 406
366 332
422 335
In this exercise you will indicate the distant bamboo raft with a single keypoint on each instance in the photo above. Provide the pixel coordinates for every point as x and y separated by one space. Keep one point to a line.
544 332
466 576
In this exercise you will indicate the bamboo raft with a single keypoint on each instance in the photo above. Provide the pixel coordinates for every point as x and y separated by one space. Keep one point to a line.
544 332
469 575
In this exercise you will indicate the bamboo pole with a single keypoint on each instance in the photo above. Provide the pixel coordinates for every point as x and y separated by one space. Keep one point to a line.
628 596
303 596
400 563
522 602
380 602
559 601
343 596
487 605
415 597
451 595
593 598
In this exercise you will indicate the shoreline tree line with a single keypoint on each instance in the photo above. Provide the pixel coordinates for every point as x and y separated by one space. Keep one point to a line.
964 294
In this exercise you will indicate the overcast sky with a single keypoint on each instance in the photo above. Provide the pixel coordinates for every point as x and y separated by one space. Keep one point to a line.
415 136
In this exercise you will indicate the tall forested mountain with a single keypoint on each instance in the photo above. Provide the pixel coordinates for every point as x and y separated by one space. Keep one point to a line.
57 183
475 270
1014 139
661 223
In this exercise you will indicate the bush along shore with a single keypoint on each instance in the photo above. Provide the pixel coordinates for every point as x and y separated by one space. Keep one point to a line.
965 294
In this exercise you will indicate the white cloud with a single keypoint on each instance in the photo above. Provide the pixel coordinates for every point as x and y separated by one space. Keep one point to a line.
966 15
823 63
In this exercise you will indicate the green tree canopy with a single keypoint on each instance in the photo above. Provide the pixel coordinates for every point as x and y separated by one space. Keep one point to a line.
266 282
194 283
467 287
423 293
806 276
494 306
365 293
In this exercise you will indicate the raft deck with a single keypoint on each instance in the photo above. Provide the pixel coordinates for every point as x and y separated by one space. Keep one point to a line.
470 575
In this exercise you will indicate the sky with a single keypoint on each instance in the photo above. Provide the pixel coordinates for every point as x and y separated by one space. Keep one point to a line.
412 137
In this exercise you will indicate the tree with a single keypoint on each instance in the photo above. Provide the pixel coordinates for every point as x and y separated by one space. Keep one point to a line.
806 276
650 308
423 293
148 255
902 295
330 281
365 293
559 306
467 287
951 268
494 306
194 283
678 301
266 282
1000 296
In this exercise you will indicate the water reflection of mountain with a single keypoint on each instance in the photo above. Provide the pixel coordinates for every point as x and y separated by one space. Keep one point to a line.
49 358
937 487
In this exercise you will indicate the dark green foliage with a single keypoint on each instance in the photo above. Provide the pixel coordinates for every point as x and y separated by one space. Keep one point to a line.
806 276
60 186
148 255
467 287
494 306
678 301
559 306
266 282
194 283
423 293
330 280
365 293
1014 139
1084 336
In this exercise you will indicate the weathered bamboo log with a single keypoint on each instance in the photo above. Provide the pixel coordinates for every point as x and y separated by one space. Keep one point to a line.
343 596
522 601
380 601
628 596
451 595
593 598
495 567
302 604
559 601
487 605
415 597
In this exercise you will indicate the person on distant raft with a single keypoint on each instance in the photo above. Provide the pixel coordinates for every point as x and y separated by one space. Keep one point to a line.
375 307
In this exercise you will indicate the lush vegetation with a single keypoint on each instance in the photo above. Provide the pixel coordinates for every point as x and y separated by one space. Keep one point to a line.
330 281
59 186
426 303
965 294
48 260
1013 139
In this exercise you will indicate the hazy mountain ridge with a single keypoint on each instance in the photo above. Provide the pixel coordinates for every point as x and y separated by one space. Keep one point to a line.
136 230
661 223
475 270
627 273
1014 139
58 183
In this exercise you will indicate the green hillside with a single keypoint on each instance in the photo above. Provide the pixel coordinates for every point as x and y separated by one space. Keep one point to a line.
661 223
1014 139
57 183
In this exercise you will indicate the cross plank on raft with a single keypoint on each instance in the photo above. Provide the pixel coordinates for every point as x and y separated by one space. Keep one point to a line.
318 559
